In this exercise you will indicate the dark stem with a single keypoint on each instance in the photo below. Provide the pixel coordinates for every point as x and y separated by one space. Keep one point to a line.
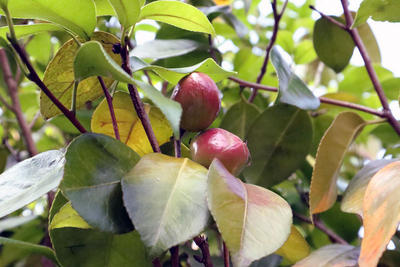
226 255
277 18
146 73
6 104
12 87
174 256
211 48
203 245
34 77
322 99
137 103
156 262
321 226
110 107
164 88
337 23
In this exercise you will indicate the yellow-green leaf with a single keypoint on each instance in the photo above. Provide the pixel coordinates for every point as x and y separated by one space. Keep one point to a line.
253 221
331 150
23 30
295 248
127 11
130 128
68 217
59 76
381 210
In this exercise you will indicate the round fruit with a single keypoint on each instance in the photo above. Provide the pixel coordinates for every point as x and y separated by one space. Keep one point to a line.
199 97
223 145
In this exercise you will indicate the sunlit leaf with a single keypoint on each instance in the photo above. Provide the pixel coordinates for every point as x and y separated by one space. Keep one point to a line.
68 217
295 248
253 221
388 10
59 77
334 145
380 210
130 128
24 30
127 11
177 14
278 140
104 8
29 180
166 200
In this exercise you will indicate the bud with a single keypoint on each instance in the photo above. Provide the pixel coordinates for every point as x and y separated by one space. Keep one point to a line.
199 97
223 145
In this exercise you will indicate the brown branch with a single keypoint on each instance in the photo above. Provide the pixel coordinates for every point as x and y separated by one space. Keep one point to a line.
203 245
156 262
174 256
109 100
146 73
332 20
226 254
34 77
6 104
12 87
277 18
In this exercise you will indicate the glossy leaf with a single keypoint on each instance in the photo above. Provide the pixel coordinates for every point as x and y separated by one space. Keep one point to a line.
334 46
166 200
331 256
292 90
388 10
158 49
29 180
380 210
92 60
353 197
95 165
104 8
59 77
24 30
239 118
127 11
253 221
66 13
295 248
278 140
178 14
68 217
130 128
331 151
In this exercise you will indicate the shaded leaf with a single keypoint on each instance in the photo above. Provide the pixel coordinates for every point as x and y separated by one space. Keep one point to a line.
29 180
24 30
68 217
166 200
334 145
334 46
388 10
253 221
278 140
95 165
380 210
295 248
292 90
92 60
353 197
130 128
178 14
59 77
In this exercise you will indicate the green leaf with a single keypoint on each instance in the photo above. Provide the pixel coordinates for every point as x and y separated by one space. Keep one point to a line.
380 216
334 46
68 217
388 10
166 200
58 202
174 75
66 13
29 180
331 256
239 118
24 30
178 14
353 197
292 90
253 221
278 140
95 165
295 248
92 60
369 40
158 49
59 77
29 248
104 8
304 52
127 11
334 145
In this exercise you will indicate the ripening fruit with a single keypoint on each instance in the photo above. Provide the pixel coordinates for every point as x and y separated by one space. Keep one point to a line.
199 97
221 144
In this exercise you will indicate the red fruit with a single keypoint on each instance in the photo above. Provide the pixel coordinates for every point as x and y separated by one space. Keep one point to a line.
199 97
223 145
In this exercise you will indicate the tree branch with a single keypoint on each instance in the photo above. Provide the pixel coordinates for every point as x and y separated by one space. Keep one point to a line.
109 100
226 254
332 20
6 104
203 245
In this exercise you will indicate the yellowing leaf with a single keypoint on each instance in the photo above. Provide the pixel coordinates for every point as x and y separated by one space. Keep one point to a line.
130 128
334 144
222 2
68 217
59 76
253 221
295 248
381 209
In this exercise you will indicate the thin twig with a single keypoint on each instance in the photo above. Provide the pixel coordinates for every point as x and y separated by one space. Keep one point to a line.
156 262
35 118
109 100
321 226
322 99
174 256
226 254
164 88
277 18
146 73
332 20
12 87
203 245
6 104
10 149
211 48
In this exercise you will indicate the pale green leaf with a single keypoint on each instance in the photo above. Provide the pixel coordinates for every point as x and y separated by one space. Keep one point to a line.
24 30
127 11
387 10
104 8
